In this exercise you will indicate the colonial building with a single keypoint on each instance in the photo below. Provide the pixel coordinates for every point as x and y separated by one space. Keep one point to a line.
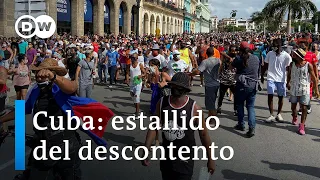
214 24
205 14
98 16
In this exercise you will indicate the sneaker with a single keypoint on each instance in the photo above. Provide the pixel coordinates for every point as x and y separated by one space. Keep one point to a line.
250 133
239 127
279 118
309 111
270 119
219 110
201 85
300 112
110 86
295 120
301 130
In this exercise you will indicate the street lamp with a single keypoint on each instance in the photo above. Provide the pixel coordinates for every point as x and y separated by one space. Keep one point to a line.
138 14
201 23
210 24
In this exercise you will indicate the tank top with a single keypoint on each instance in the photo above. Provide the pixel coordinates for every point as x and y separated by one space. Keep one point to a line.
7 54
21 77
179 138
184 55
300 80
134 73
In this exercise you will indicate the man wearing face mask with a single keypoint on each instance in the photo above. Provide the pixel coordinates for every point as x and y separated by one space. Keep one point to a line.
176 64
155 55
102 64
112 58
179 101
84 75
72 63
53 94
276 62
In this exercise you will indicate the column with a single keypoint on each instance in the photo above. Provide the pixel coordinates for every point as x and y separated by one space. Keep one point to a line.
77 17
127 20
7 20
114 19
51 9
98 17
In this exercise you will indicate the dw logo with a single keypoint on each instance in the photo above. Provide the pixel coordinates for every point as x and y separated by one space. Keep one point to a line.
44 28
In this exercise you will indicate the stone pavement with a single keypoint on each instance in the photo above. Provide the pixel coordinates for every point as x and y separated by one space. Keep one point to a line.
276 152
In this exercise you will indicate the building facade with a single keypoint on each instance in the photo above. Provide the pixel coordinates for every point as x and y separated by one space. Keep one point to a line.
205 16
98 16
167 16
214 24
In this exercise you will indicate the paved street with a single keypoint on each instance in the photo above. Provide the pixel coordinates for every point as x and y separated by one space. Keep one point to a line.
276 152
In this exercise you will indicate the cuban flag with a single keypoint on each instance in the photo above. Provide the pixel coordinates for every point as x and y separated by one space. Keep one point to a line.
79 107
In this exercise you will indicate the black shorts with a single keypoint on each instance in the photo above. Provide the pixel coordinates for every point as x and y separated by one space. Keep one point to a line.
172 175
19 88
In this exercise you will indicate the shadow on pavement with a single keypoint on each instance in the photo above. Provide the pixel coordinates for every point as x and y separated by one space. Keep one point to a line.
309 170
317 140
126 98
122 139
229 174
143 107
232 130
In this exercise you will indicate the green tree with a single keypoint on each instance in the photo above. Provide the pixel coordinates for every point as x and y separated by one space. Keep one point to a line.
269 23
316 18
294 9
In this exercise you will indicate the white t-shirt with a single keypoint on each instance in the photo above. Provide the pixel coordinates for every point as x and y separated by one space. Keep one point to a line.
163 62
176 66
277 66
60 63
141 60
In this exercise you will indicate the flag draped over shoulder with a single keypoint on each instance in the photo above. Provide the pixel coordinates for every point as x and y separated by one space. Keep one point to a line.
79 107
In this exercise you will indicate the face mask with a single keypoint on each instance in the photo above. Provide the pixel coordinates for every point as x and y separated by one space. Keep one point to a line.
274 48
26 61
30 46
257 47
41 46
152 69
122 48
177 92
233 42
112 49
43 84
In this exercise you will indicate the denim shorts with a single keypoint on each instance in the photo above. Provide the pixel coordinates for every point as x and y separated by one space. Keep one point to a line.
210 97
304 99
280 87
135 93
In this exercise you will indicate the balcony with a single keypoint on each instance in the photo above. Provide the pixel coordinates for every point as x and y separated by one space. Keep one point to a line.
171 6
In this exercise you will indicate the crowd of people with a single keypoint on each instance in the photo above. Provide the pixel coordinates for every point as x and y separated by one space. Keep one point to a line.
232 64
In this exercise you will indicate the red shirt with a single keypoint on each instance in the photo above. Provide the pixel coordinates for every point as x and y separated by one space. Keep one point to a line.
95 47
311 57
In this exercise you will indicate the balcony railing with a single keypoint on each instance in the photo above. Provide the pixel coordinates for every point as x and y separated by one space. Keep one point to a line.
186 13
168 5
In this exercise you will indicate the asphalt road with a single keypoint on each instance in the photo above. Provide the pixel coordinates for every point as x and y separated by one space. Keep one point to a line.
276 152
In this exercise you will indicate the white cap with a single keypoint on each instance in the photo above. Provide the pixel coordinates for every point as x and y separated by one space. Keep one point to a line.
188 43
176 52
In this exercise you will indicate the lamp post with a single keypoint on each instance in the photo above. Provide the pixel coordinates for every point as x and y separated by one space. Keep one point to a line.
210 24
316 25
201 23
138 14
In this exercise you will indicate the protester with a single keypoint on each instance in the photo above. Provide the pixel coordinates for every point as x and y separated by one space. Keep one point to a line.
276 63
210 69
179 101
299 83
84 75
247 76
21 78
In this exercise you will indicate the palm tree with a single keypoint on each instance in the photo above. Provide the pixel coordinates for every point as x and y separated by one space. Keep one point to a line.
292 8
233 13
268 22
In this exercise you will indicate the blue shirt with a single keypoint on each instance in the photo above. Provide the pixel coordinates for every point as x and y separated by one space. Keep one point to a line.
2 54
81 56
112 58
23 47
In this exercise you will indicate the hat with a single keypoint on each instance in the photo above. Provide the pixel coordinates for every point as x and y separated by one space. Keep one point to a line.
50 64
176 52
188 43
244 44
300 52
155 47
181 79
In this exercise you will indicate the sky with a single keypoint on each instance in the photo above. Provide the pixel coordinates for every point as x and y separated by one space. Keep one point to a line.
245 8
